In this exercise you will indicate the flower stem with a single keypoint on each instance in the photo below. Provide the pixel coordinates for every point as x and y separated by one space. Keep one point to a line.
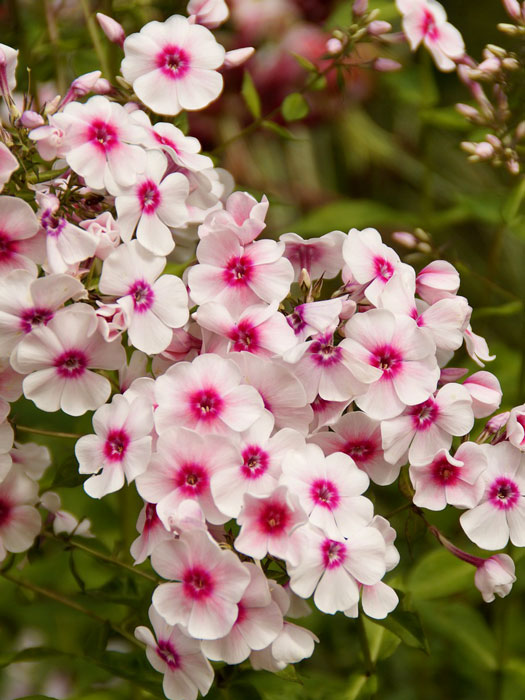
365 647
95 39
50 433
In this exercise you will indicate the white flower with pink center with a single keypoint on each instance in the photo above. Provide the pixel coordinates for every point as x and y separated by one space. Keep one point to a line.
31 458
20 521
239 276
320 257
260 329
210 13
27 303
106 232
178 657
153 305
258 470
66 244
485 391
326 412
181 468
516 427
10 387
446 321
438 280
425 21
316 317
206 395
58 359
102 143
20 248
172 65
206 584
404 354
8 165
49 140
495 577
450 480
332 569
477 347
152 533
359 437
242 215
329 489
258 623
500 514
9 59
424 429
120 448
269 525
6 444
153 205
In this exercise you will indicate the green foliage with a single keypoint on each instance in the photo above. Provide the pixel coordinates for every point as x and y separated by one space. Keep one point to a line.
294 107
251 97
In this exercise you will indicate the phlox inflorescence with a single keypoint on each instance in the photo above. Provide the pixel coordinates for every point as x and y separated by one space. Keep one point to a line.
249 408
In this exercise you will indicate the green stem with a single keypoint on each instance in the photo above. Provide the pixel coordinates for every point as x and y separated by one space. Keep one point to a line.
95 39
54 39
50 433
365 647
399 509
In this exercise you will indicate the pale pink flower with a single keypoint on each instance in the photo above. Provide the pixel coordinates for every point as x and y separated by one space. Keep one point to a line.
438 280
20 248
8 165
50 140
153 205
206 395
500 514
106 231
404 354
495 577
58 359
326 412
66 243
64 521
425 21
446 321
10 387
242 215
450 480
236 57
6 444
102 143
258 622
152 305
239 276
379 599
133 369
516 427
206 584
477 347
152 533
210 13
20 521
111 28
120 448
31 458
8 61
320 257
178 657
485 391
317 317
172 65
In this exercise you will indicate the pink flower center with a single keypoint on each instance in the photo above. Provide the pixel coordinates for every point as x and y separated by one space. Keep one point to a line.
383 269
151 516
324 493
324 353
149 196
206 405
5 512
197 583
296 321
241 614
274 518
429 27
388 359
521 421
360 450
192 479
334 553
116 445
244 337
255 462
53 225
444 473
167 653
143 296
8 247
424 414
71 364
504 493
165 141
238 271
303 255
36 316
103 136
173 61
319 405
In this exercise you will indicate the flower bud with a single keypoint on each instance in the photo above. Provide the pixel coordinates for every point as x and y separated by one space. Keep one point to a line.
520 131
360 7
407 240
386 65
467 111
490 66
484 150
510 63
451 374
111 28
102 87
496 423
516 427
31 119
512 8
509 29
495 577
237 57
334 46
485 392
378 27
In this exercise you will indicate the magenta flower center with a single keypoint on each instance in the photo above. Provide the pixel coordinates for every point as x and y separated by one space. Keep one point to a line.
521 420
151 516
103 135
53 225
274 518
167 653
334 553
149 196
173 61
504 493
143 296
388 359
36 316
238 271
197 583
444 473
7 247
255 462
424 414
429 27
383 269
324 493
360 450
5 511
71 364
324 353
244 337
116 445
192 479
206 404
296 321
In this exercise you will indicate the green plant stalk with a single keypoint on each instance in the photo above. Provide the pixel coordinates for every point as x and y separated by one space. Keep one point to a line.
49 433
95 39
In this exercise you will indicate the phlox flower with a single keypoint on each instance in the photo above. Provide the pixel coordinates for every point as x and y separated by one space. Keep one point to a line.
10 387
425 21
20 248
379 599
20 521
58 358
359 437
450 480
239 276
320 257
206 395
329 489
27 302
171 652
210 13
120 448
242 215
152 533
206 583
31 458
500 513
102 143
485 391
135 368
258 623
477 347
63 521
181 468
437 280
152 205
152 304
8 62
6 444
172 65
8 165
326 413
516 427
316 317
495 577
49 140
66 243
106 231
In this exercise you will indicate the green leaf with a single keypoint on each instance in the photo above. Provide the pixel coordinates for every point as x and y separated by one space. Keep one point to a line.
407 626
37 697
74 572
513 204
289 673
305 63
510 309
30 654
381 642
438 574
67 476
282 131
95 642
251 97
294 107
360 686
243 691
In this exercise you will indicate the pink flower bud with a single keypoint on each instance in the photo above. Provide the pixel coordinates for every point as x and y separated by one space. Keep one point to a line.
334 46
485 391
386 65
31 119
496 423
495 577
490 66
467 111
407 240
378 27
512 8
360 7
111 28
493 140
451 374
84 84
102 87
237 57
484 150
438 280
209 13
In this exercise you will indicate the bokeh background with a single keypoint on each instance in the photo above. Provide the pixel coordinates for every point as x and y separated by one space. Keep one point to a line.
382 151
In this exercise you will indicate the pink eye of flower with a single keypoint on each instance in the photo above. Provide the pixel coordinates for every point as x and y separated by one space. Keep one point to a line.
173 61
334 553
142 294
149 196
360 451
428 26
71 364
206 404
167 653
383 268
504 493
37 316
7 247
116 445
296 322
53 225
197 583
274 518
192 479
5 510
151 515
238 271
103 135
244 336
324 493
444 473
388 359
324 353
255 462
424 414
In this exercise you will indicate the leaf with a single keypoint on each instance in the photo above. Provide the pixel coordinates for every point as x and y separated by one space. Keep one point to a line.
294 107
96 641
360 686
243 691
250 95
305 63
282 131
75 574
513 204
289 673
439 574
30 654
67 476
381 642
513 307
37 697
407 626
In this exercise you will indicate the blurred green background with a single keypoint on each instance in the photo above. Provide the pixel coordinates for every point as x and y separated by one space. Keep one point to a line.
384 152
